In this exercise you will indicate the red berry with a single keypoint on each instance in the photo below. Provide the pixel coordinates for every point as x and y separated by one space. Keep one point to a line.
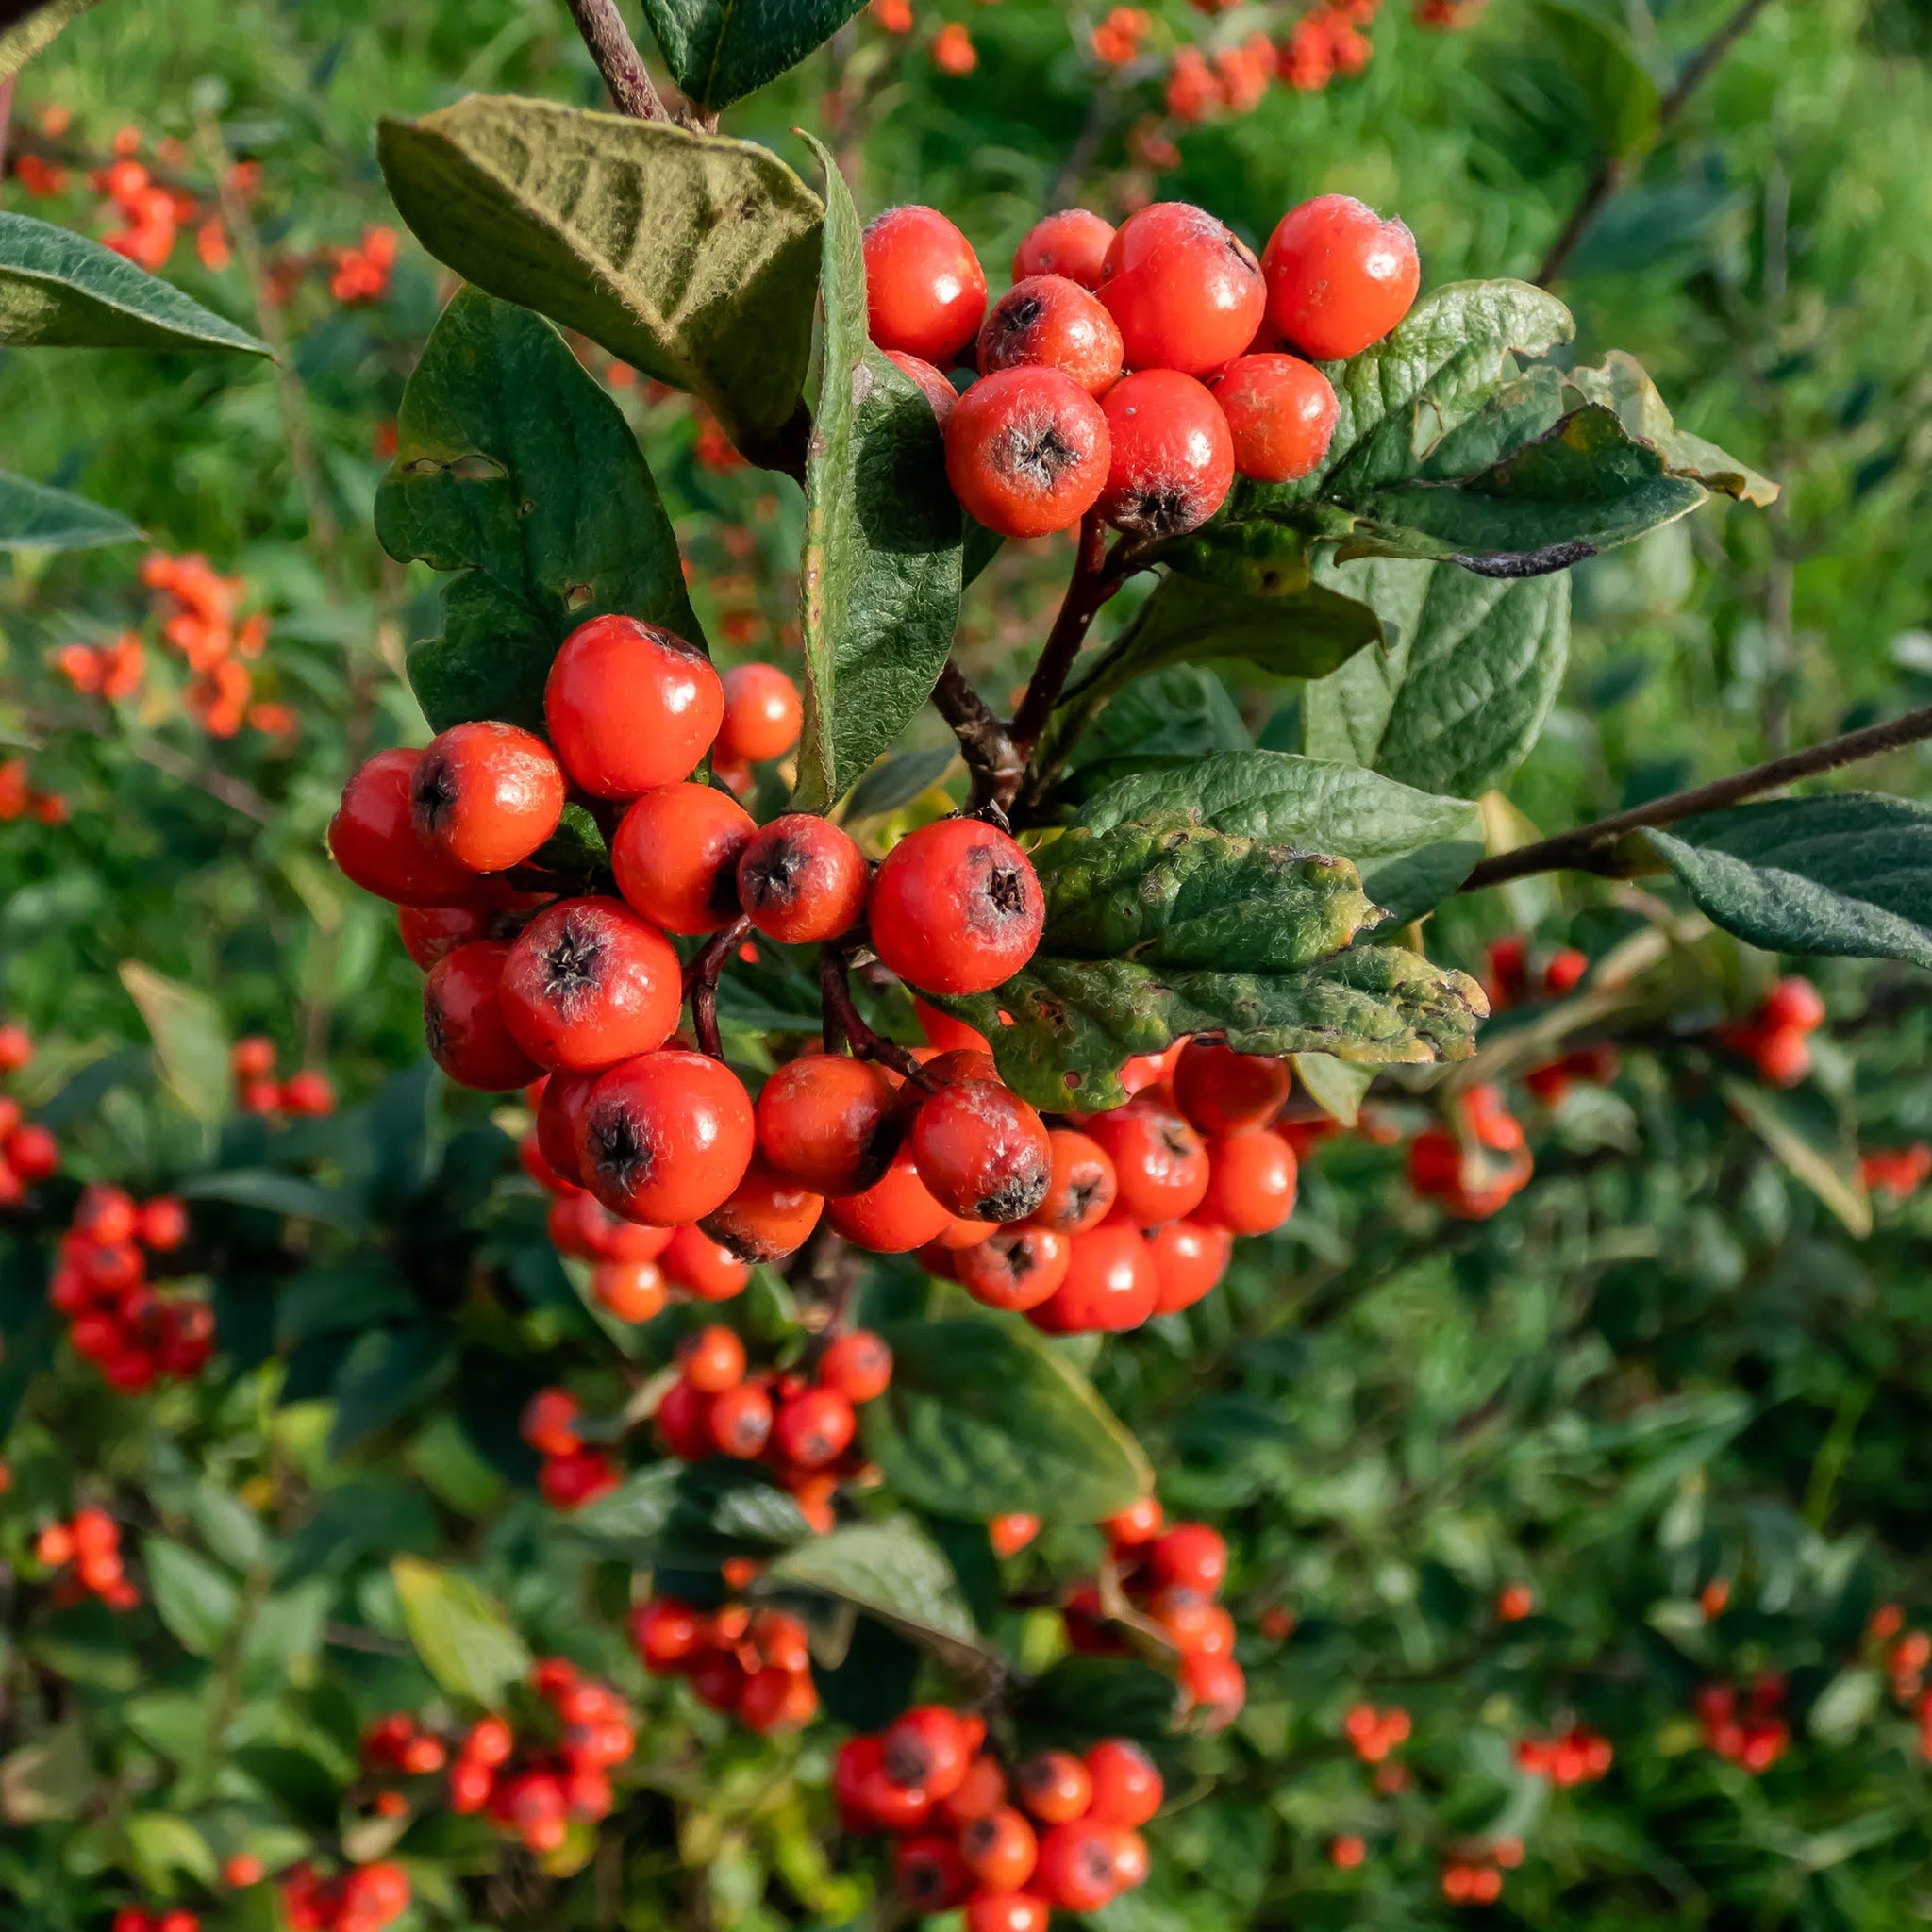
702 1268
307 1093
893 1216
16 1047
487 793
630 705
1250 1182
430 932
1080 1185
1139 1522
559 1120
664 1633
630 1290
1027 451
712 1359
1017 1269
925 290
241 1871
801 880
831 1123
1190 1259
1160 1162
589 983
815 1428
930 382
1216 1683
741 1421
1794 1003
1049 322
251 1057
858 1365
1072 243
1127 1788
676 857
667 1136
955 907
768 1216
1280 414
1186 293
1008 1911
549 1422
375 841
1000 1849
1054 1786
1077 1866
1339 277
1172 457
1192 1556
981 1151
1783 1056
1110 1284
928 1746
463 1021
1222 1092
777 1700
684 1420
763 712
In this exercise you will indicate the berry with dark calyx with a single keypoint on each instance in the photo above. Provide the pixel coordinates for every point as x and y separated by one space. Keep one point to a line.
1171 459
703 1268
588 983
893 1216
1127 1789
981 1151
768 1216
463 1020
1339 277
1187 293
375 838
1072 243
801 880
831 1122
925 288
1109 1285
1250 1182
929 1875
549 1422
487 793
1017 1269
1281 415
1027 451
1190 1259
1076 1865
630 705
814 1428
1000 1849
1158 1162
1080 1185
763 714
1222 1092
741 1421
930 382
676 857
955 907
858 1365
1049 322
560 1114
666 1137
1054 1786
928 1746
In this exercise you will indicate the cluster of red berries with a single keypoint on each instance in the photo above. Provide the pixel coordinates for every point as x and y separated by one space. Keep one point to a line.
363 1899
200 619
19 797
113 671
1172 1578
147 215
132 1919
134 1336
1134 373
1899 1171
252 1061
28 1152
1062 1832
1465 1882
396 1745
754 1665
573 1473
1372 1734
361 272
1752 1735
1514 974
1471 1170
1579 1757
1907 1652
1777 1038
91 1544
1595 1065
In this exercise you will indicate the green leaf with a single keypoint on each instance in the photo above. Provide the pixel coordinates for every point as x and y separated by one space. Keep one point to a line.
1850 873
980 1408
387 1376
197 1601
1335 1087
459 1634
190 1041
896 781
719 51
1622 99
36 516
35 27
348 1294
1819 1154
697 1512
52 1777
1183 712
1845 1706
1414 848
277 1194
692 256
1622 384
1083 1699
518 473
881 578
160 1844
60 290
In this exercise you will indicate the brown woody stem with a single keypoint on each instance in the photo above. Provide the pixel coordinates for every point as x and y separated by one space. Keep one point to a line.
701 983
985 742
844 1025
1090 587
618 59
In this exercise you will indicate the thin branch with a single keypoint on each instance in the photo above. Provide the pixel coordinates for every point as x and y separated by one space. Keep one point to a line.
1618 171
618 59
844 1025
5 116
231 791
701 983
985 742
1590 848
1090 587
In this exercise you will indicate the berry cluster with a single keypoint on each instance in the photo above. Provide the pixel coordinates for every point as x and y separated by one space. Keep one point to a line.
755 1665
633 1266
1777 1038
396 1745
1133 373
1472 1169
1595 1065
360 272
19 796
363 1899
1372 1734
91 1542
1579 1757
1467 1883
134 1336
252 1061
199 615
28 1152
571 1474
1061 1832
1515 975
1752 1735
132 1919
1899 1171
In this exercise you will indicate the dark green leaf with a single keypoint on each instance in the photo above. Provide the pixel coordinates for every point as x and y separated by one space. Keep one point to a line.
873 1682
517 471
1622 99
1083 1699
980 1408
881 572
347 1294
60 290
898 781
51 1777
386 1377
35 516
294 1780
1811 1141
197 1601
720 50
694 1512
277 1194
692 256
458 1633
37 25
1184 713
191 1042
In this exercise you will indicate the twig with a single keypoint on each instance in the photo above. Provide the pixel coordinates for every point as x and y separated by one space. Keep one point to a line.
1090 587
1590 847
5 115
985 742
1619 169
844 1025
618 59
701 983
233 792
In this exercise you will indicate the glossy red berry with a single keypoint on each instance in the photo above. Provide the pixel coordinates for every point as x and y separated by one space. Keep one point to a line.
981 1151
815 1428
676 857
1792 1002
487 793
929 1746
705 1270
463 1021
1160 1162
549 1422
925 288
763 714
630 1290
1222 1092
768 1216
630 705
1054 1786
1187 293
858 1365
1027 451
1139 1522
930 382
307 1094
1077 1866
1172 457
664 1633
1000 1849
893 1216
666 1137
1080 1185
1110 1284
712 1359
559 1120
1008 1911
1017 1269
1281 415
589 983
430 932
801 880
1072 243
1190 1259
955 907
161 1224
741 1421
1339 277
375 838
831 1122
1127 1787
1191 1555
1051 323
1250 1182
1216 1683
929 1875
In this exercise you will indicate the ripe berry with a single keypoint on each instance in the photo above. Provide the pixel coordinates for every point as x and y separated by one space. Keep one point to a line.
1139 1522
630 1290
487 793
858 1365
815 1428
307 1093
1027 451
832 1123
763 712
253 1057
666 1137
1796 1003
589 983
955 907
1222 1092
890 1806
893 1216
741 1421
1191 1555
1127 1788
549 1422
801 880
981 1151
768 1216
463 1021
1187 293
1077 1866
925 290
559 1112
1008 1911
1250 1182
1280 414
1017 1269
241 1871
375 841
1049 322
1216 1683
1109 1287
1172 457
712 1359
1000 1849
1190 1259
1072 243
32 1152
930 382
430 932
676 857
630 705
1158 1162
1080 1184
928 1746
703 1268
1054 1786
1339 277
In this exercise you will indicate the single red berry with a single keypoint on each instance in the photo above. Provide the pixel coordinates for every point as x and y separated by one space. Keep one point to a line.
1514 1602
241 1871
1127 1787
703 1268
925 288
559 1123
1216 1685
858 1365
1191 1555
1000 1849
1564 970
1027 451
1339 277
1172 457
667 1136
1794 1003
549 1422
832 1123
801 880
1048 322
375 838
589 983
665 1633
676 857
1080 1185
1281 415
463 1021
1054 1786
1783 1056
777 1700
1158 1162
307 1093
712 1359
930 382
630 1290
1222 1092
684 1420
1250 1182
430 933
1185 292
32 1153
1072 243
815 1428
487 793
1077 1866
763 714
955 907
1109 1287
928 1746
253 1057
1190 1259
768 1216
741 1421
981 1151
1008 1911
894 1215
1017 1269
16 1047
630 705
1139 1522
